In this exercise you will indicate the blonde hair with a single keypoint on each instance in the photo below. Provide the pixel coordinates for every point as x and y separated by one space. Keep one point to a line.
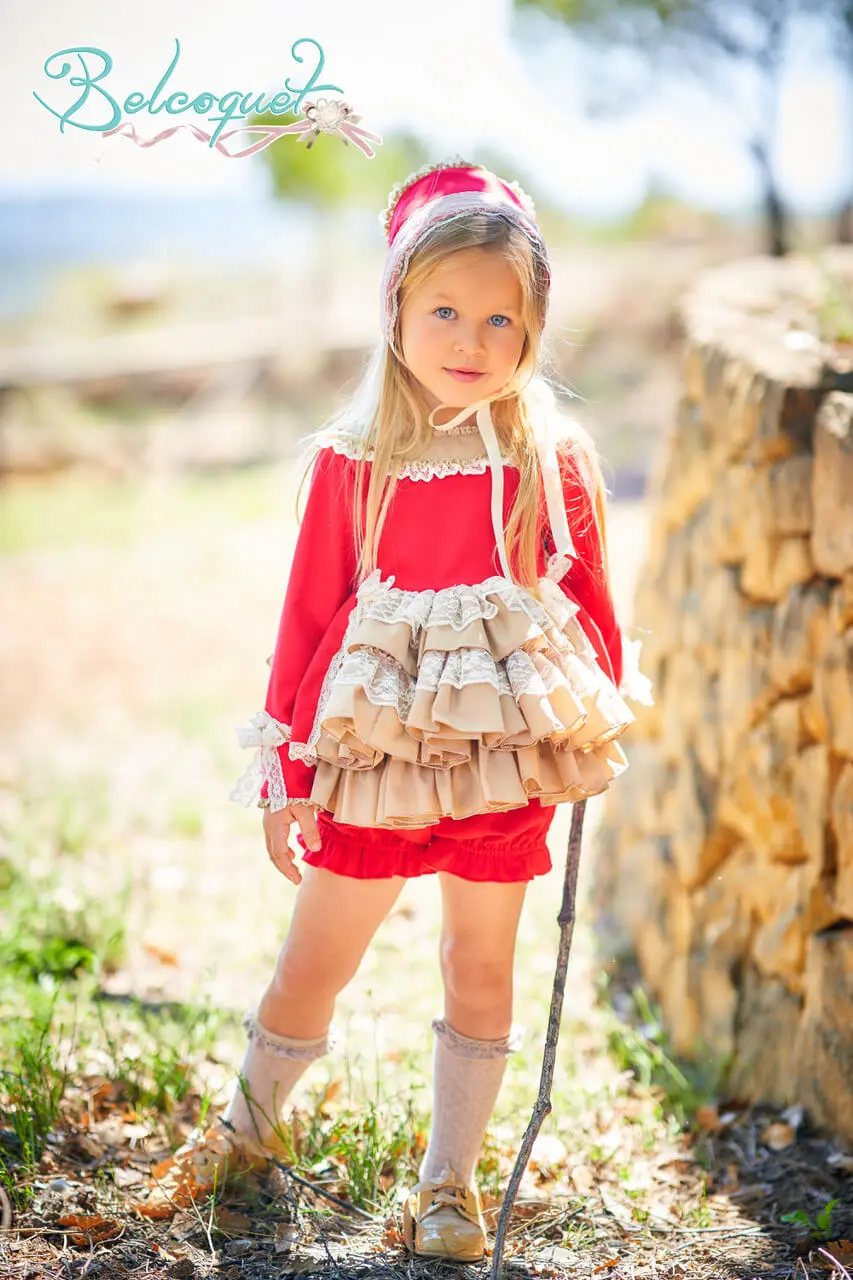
389 415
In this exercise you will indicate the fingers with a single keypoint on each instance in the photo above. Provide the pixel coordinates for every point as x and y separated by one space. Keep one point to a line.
288 868
307 818
276 828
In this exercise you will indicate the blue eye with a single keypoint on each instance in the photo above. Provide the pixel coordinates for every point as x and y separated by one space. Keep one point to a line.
496 316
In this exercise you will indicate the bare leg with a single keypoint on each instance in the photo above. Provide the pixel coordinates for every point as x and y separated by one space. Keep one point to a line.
333 922
477 952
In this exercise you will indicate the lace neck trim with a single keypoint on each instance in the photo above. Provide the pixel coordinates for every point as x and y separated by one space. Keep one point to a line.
421 468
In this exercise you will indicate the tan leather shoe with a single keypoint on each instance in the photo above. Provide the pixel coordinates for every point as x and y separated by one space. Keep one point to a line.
442 1219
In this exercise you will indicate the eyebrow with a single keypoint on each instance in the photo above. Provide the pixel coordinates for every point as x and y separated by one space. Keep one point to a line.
443 297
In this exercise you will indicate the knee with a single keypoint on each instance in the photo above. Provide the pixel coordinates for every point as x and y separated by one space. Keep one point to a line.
472 978
301 974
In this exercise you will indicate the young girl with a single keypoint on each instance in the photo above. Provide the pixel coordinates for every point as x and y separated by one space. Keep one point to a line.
448 668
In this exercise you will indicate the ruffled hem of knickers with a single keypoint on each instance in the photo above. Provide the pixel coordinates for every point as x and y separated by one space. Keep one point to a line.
480 861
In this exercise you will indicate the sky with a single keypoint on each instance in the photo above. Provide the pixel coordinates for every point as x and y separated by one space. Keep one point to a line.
462 73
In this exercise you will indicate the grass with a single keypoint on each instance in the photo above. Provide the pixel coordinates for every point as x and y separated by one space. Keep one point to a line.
73 509
34 1088
61 936
363 1131
639 1043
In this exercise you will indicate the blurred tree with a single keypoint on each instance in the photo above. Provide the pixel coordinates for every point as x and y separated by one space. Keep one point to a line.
330 172
839 15
702 36
332 177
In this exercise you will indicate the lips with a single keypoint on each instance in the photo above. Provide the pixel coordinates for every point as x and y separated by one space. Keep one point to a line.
465 375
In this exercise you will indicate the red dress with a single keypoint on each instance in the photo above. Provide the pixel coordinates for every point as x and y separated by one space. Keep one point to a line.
438 712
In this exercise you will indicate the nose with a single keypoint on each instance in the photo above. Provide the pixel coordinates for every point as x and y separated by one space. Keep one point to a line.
468 339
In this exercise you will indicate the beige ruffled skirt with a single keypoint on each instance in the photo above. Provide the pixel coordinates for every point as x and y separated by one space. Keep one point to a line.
466 700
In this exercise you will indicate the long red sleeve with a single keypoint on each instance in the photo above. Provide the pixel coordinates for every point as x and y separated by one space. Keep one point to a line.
321 580
586 581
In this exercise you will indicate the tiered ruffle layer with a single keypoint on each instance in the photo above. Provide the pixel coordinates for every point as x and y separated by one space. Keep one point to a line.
466 700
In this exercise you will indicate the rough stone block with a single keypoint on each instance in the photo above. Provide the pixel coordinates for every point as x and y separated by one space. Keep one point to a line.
755 797
833 684
680 1008
812 719
761 885
824 1046
700 844
841 606
832 536
682 713
779 945
720 599
788 410
729 514
706 743
721 931
732 401
799 635
774 565
767 1021
811 801
841 819
790 495
745 688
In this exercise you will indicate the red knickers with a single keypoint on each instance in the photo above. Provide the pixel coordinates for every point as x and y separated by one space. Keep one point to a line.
505 846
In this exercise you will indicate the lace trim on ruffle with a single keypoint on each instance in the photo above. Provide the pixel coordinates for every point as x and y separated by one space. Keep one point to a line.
266 735
456 607
387 683
419 469
283 1046
466 1047
459 606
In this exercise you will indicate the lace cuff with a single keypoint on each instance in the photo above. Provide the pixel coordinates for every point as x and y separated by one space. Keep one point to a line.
266 735
634 684
557 567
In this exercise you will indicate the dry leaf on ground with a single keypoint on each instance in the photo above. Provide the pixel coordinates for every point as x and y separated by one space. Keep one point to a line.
778 1136
88 1229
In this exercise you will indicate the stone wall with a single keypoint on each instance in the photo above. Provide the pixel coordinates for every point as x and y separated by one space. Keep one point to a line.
727 847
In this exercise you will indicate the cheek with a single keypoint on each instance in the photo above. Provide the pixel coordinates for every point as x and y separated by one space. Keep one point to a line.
511 345
423 339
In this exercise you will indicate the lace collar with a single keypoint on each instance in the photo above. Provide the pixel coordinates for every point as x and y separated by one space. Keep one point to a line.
419 469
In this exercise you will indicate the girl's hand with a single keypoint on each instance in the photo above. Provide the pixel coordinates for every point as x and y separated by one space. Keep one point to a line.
276 830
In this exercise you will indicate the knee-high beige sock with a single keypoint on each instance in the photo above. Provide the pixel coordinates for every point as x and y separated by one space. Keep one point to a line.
467 1079
270 1069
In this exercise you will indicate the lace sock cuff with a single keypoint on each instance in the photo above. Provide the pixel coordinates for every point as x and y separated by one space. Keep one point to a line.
285 1046
466 1047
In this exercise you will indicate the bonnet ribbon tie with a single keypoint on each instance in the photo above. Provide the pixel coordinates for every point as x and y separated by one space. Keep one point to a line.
540 396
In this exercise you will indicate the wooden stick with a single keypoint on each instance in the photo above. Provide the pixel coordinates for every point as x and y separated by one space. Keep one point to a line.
542 1107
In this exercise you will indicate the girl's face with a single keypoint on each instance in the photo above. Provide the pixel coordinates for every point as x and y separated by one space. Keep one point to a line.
465 315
